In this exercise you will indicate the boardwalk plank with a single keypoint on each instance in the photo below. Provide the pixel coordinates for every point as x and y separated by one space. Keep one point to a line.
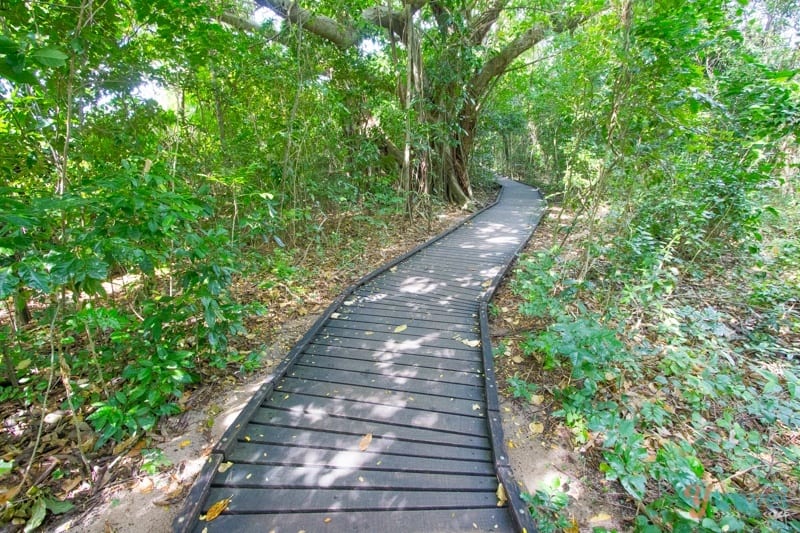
409 521
246 500
309 477
392 369
358 428
397 414
383 397
304 440
465 353
381 356
259 453
392 383
376 322
418 337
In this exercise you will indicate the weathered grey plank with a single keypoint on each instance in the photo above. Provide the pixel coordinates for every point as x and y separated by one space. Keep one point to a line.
397 414
321 500
391 369
383 397
465 353
408 521
309 477
384 443
428 361
375 322
260 453
391 383
417 336
358 428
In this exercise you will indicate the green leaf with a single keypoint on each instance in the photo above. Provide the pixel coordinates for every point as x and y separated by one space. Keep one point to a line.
38 513
58 506
16 73
37 280
8 282
8 46
50 57
5 467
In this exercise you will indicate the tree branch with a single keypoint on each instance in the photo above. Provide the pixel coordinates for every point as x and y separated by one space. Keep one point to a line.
498 64
481 26
325 27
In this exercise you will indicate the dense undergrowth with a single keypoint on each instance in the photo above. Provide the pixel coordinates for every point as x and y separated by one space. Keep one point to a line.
679 379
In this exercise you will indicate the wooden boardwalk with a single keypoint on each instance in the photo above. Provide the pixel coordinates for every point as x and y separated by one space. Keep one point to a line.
384 417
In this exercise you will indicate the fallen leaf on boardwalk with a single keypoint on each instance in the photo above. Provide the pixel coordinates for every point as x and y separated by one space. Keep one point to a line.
335 315
328 520
184 443
224 467
502 498
486 284
476 407
217 509
398 329
364 442
472 344
600 517
536 427
369 333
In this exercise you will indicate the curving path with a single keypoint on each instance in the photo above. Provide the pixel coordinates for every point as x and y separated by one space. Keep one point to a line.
384 417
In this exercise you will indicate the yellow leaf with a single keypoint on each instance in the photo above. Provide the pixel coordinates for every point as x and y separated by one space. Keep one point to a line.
511 444
217 509
486 284
517 359
224 467
184 443
8 495
247 438
472 344
573 526
369 333
328 520
537 399
364 442
599 517
502 498
536 427
400 328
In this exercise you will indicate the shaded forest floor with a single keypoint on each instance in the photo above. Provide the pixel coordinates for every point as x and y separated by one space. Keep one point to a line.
673 410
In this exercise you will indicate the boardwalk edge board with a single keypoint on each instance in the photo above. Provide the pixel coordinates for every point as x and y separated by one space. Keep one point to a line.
187 519
522 518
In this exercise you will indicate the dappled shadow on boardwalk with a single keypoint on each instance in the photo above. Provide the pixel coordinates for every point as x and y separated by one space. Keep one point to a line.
380 417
